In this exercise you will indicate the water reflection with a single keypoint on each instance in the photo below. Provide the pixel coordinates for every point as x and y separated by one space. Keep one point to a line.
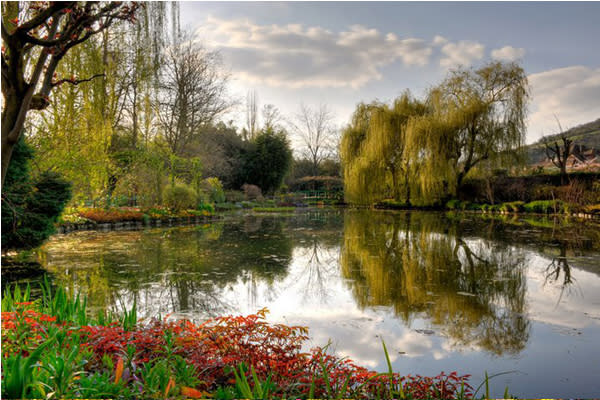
179 269
446 291
422 267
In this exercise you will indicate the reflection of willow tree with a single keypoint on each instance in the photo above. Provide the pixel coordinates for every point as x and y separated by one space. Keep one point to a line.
420 265
179 269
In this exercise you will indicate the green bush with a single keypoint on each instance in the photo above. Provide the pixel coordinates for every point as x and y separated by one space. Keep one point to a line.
30 206
214 188
234 196
546 207
179 197
392 204
225 206
453 204
513 206
206 207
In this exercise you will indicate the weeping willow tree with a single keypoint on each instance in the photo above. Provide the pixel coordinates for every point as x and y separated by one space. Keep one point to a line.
375 152
420 152
476 117
91 122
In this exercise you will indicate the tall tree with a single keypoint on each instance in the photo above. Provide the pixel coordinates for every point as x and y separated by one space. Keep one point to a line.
271 117
91 131
269 160
475 115
251 114
315 128
35 38
192 91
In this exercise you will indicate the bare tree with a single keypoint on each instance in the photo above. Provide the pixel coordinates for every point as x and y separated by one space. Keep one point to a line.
315 128
558 149
251 114
192 91
271 117
35 38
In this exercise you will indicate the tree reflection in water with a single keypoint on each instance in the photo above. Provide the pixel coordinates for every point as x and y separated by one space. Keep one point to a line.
174 270
463 274
422 266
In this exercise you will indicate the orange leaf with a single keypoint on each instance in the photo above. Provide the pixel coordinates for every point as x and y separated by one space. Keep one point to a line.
193 393
170 386
119 370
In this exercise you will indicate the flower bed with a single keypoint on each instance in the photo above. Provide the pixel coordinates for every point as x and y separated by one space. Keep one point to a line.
71 355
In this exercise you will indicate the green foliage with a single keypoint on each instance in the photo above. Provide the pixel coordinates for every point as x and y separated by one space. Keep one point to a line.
375 153
269 160
392 204
206 207
546 207
179 197
513 206
421 151
30 206
215 190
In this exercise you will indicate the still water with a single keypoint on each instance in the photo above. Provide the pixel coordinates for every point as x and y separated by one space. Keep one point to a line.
445 292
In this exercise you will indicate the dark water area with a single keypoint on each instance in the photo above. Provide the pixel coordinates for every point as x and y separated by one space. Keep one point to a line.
446 292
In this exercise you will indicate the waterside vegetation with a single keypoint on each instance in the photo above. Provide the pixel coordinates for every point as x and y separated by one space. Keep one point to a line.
52 346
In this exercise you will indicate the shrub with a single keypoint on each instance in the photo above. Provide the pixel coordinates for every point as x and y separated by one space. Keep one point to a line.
453 204
209 208
179 197
234 196
252 192
513 206
180 359
214 188
30 207
392 204
101 215
546 206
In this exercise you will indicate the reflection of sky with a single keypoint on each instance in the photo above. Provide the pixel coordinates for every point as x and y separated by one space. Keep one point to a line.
560 359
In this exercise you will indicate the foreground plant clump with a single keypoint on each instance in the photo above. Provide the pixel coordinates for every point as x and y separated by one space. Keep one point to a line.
51 347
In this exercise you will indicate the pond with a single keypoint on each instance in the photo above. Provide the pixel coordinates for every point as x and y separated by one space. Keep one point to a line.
446 292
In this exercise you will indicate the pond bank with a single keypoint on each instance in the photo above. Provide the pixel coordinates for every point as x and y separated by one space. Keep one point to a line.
128 224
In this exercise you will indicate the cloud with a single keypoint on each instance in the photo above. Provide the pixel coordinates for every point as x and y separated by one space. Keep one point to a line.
508 53
571 93
439 40
299 56
464 53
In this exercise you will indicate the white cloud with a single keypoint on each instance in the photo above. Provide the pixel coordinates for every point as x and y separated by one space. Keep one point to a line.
298 56
508 53
571 93
439 40
464 53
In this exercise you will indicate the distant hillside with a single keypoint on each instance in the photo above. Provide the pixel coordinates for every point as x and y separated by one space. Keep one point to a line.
586 138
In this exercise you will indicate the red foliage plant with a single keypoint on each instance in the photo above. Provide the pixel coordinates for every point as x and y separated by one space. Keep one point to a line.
217 345
111 215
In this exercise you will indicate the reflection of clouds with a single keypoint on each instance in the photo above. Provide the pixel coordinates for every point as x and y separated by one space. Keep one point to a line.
357 335
311 290
572 309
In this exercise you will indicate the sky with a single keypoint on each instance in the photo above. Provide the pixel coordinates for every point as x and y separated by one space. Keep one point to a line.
343 53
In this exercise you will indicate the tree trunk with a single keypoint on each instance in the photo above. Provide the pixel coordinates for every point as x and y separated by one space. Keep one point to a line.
10 117
564 177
